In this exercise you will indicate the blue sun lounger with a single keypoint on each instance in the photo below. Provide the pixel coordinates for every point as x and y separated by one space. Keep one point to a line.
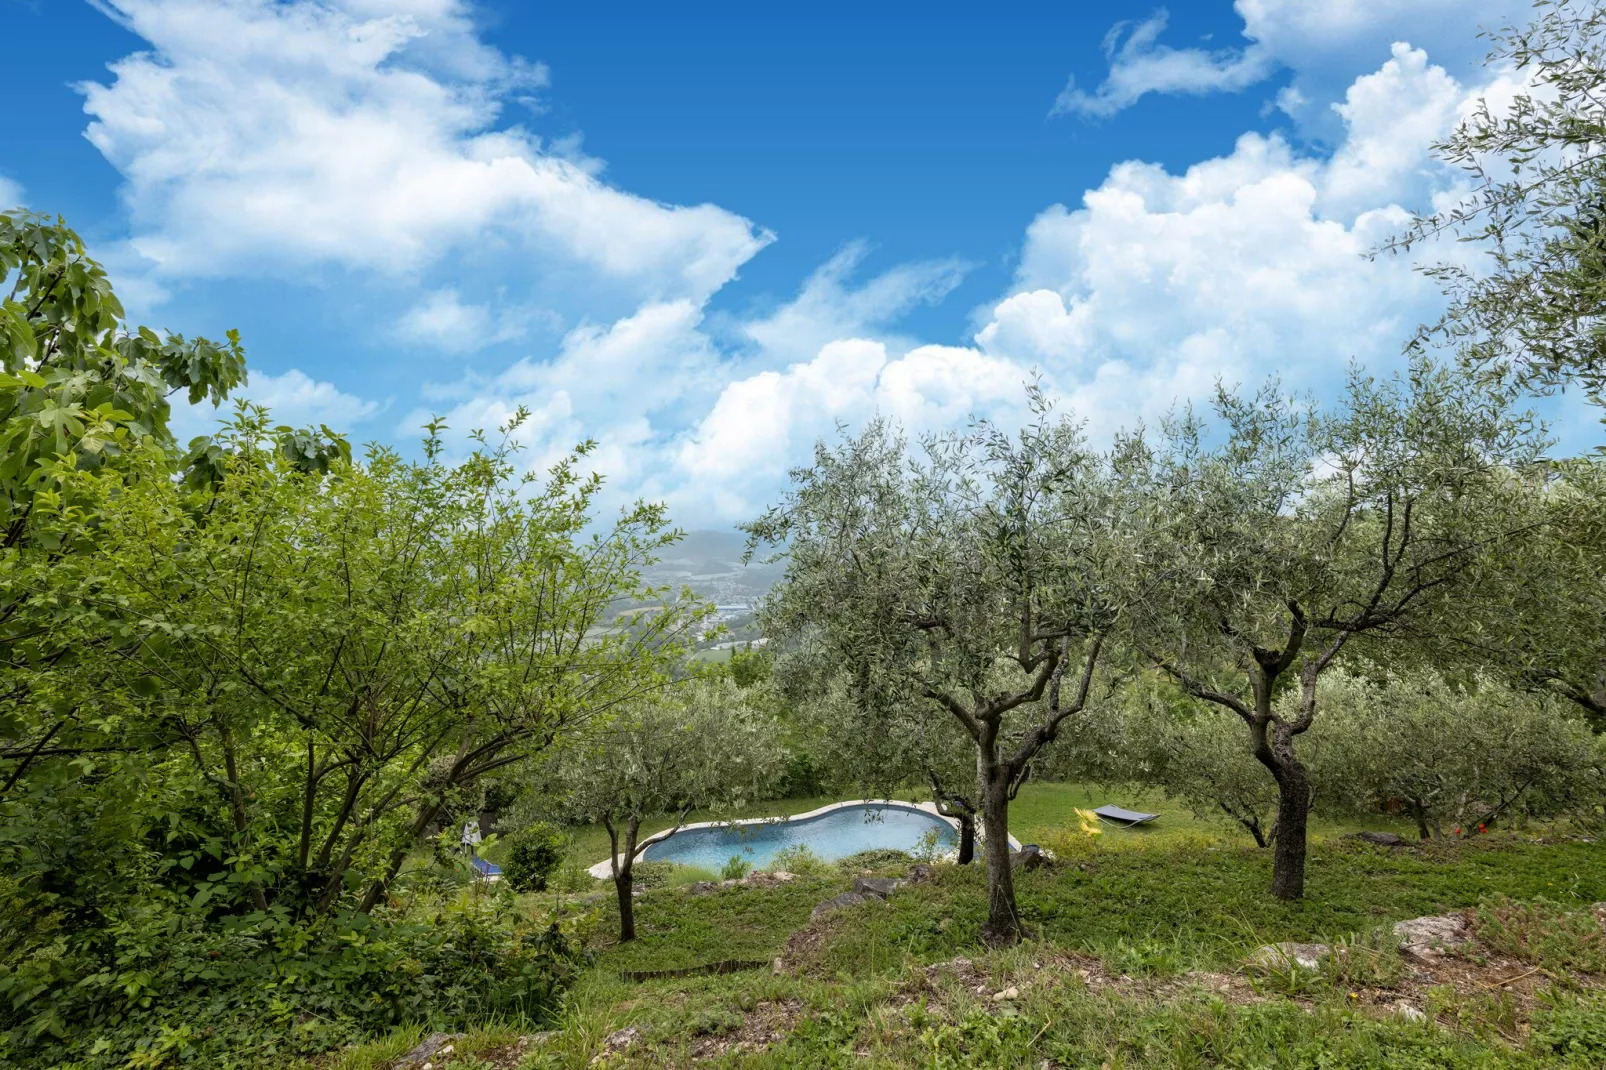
1125 818
486 869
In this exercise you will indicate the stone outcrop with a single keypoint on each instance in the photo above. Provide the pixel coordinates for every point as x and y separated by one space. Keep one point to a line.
1428 938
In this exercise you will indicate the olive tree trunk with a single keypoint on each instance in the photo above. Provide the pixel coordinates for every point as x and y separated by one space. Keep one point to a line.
623 864
967 840
1293 812
1003 919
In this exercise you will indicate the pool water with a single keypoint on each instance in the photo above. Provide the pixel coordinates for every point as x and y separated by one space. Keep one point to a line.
837 834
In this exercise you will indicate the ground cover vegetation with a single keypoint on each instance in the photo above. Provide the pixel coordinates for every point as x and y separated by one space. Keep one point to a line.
261 690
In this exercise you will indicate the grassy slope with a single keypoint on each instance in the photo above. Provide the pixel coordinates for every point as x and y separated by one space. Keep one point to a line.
1186 896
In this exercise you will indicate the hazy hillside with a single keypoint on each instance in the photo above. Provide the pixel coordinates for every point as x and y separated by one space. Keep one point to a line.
710 563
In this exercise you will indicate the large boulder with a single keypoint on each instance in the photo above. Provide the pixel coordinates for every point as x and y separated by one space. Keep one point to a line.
1287 957
1430 937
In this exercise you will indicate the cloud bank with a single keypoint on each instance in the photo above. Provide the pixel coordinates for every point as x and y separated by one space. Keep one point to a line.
285 138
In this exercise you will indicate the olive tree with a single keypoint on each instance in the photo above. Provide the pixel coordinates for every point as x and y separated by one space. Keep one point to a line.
1538 615
1457 756
881 752
1537 166
697 745
1155 735
1301 532
965 581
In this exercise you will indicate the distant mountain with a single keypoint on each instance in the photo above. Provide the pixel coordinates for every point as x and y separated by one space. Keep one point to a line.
710 563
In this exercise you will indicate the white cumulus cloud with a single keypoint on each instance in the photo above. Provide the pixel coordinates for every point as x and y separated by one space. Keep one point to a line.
1154 287
261 135
294 398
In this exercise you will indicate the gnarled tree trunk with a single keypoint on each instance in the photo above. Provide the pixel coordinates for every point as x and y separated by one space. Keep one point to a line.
1003 925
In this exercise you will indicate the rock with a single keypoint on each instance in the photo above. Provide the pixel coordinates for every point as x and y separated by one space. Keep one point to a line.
1027 858
1281 958
777 967
762 879
1382 839
617 1041
1009 993
880 887
921 872
1409 1013
431 1046
1428 938
842 902
703 888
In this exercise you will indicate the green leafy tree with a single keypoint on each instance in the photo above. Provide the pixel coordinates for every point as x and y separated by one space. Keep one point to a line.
1537 616
77 382
344 657
698 745
1304 533
1458 757
1538 209
963 583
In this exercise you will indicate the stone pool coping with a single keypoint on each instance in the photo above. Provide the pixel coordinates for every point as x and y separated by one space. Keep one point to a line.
604 870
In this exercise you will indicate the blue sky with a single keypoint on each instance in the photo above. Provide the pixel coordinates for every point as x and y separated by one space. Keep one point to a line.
704 235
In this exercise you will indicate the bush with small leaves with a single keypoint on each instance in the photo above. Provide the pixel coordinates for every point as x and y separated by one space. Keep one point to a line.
533 856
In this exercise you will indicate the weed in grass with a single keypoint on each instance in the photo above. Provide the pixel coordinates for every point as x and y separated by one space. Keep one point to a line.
1575 1030
714 1022
1149 956
683 876
802 861
1543 933
735 868
880 860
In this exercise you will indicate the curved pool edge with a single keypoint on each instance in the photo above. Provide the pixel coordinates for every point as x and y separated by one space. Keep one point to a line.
604 870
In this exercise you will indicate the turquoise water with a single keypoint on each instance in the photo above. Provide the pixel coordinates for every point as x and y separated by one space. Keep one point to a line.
837 834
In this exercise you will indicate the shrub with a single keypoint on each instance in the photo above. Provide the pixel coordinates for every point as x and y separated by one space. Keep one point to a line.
735 868
166 987
800 860
682 876
534 855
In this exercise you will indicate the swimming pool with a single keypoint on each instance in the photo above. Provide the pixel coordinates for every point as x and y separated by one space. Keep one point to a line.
832 832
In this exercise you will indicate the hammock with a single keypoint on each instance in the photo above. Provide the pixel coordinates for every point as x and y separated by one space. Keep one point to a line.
1124 818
